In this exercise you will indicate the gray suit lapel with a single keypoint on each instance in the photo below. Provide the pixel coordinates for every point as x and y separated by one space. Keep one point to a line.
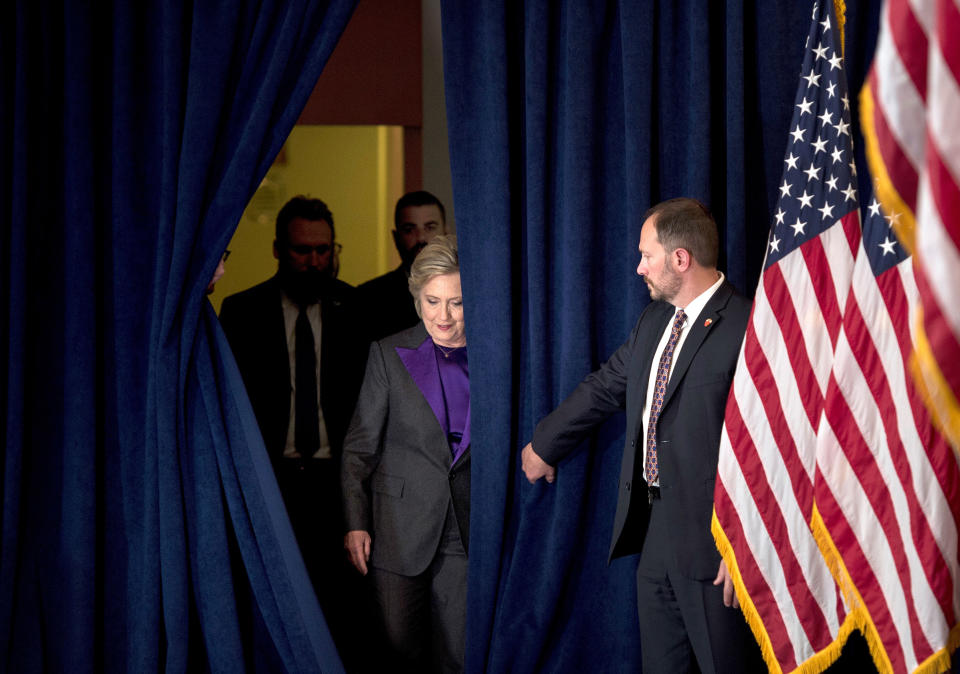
424 410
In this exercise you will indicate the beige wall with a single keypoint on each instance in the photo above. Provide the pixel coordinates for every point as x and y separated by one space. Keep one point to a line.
356 170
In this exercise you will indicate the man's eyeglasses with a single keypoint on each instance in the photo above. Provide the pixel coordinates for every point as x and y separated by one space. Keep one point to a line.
322 249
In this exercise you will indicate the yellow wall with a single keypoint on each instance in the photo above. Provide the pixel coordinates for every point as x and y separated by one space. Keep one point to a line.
356 170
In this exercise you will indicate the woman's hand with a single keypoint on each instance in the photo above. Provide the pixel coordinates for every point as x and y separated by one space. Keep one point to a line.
357 545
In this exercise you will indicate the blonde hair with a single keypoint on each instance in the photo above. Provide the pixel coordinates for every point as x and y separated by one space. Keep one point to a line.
438 258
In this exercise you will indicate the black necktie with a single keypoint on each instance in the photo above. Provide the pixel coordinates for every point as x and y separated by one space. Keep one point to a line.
307 422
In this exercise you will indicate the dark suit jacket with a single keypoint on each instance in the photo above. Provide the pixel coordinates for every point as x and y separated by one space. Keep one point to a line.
387 304
253 323
688 430
397 479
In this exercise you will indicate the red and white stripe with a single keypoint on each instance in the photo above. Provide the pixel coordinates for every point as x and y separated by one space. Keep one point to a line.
887 483
764 495
917 141
938 216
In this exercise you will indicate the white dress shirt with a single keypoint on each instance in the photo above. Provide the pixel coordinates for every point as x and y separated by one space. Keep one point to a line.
692 310
291 311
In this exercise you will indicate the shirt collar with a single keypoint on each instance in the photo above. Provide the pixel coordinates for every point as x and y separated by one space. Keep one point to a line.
693 309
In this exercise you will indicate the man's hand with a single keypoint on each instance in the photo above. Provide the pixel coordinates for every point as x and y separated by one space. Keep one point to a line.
729 596
534 467
357 543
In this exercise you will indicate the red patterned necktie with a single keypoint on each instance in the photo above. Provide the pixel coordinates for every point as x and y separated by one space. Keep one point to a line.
651 466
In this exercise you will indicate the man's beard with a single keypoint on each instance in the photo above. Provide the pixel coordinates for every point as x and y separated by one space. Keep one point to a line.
303 287
669 289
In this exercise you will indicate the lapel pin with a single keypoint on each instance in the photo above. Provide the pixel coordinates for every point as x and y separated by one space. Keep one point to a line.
707 322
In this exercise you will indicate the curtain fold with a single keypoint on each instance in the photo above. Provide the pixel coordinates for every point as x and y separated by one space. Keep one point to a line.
567 120
142 526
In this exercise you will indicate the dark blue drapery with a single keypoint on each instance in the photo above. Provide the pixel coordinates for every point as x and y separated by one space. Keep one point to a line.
142 529
567 120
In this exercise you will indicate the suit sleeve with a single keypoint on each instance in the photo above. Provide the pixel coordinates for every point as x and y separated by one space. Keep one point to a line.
364 442
601 394
234 319
229 321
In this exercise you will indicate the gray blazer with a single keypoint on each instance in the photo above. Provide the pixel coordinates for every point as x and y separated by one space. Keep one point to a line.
397 478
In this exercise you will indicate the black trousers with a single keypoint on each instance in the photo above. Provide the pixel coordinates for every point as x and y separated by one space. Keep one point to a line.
311 493
684 626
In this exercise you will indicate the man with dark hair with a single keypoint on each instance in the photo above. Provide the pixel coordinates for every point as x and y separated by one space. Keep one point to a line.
672 377
301 207
302 358
418 217
311 211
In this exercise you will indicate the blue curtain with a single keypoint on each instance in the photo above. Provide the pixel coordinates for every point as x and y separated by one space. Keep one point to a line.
142 529
568 119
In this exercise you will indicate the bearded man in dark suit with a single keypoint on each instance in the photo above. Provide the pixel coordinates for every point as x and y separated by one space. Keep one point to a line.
672 377
297 343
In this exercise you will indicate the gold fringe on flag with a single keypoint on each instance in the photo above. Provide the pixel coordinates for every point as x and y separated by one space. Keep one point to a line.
859 617
813 665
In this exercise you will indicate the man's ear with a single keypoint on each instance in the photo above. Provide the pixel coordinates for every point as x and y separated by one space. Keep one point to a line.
681 258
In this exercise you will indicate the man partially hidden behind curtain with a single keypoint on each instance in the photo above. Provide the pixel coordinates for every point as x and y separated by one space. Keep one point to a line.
387 305
301 352
672 377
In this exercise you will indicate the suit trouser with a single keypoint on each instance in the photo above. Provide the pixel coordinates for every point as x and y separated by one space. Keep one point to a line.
424 616
311 493
683 622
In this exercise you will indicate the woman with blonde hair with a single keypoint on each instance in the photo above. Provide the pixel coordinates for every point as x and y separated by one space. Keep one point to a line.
406 472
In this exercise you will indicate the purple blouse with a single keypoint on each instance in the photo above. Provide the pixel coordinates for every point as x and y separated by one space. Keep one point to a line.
455 380
442 376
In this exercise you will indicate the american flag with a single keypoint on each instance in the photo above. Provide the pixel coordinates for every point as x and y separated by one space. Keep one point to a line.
914 150
764 496
888 487
887 483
